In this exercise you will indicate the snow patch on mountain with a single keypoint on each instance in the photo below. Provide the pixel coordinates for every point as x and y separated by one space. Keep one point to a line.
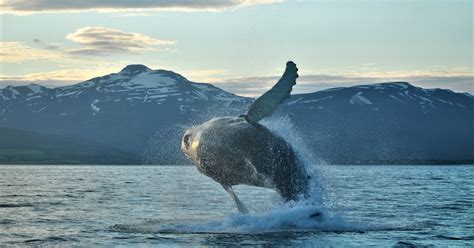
426 99
145 80
468 95
4 98
317 100
445 102
359 99
202 87
14 92
334 89
399 85
94 106
9 90
35 89
295 101
66 94
32 97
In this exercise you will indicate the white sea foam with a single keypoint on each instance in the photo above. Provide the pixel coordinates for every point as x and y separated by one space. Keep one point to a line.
283 218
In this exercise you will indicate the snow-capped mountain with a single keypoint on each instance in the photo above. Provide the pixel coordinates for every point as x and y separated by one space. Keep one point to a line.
145 111
393 94
133 84
395 122
13 92
123 109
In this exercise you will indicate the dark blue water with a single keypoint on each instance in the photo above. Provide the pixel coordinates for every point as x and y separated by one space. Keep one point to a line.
176 206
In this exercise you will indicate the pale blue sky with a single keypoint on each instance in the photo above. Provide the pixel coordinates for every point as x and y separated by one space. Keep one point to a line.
380 39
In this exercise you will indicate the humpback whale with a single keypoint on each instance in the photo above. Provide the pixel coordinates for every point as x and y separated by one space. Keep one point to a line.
240 150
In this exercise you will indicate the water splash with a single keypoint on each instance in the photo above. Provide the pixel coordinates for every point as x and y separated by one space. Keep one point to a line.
285 218
284 127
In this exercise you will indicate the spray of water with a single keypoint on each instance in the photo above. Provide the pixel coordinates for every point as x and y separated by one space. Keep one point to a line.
284 127
285 218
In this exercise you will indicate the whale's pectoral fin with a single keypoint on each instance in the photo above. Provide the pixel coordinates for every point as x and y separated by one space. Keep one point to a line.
255 178
240 205
269 101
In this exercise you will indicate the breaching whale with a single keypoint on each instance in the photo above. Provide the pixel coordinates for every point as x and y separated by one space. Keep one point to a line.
239 150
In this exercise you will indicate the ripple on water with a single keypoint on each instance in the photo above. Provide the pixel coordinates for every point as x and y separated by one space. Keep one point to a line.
51 239
7 221
406 244
467 238
15 205
67 206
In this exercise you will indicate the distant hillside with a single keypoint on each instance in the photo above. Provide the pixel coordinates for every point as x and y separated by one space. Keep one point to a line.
128 110
387 123
26 147
145 112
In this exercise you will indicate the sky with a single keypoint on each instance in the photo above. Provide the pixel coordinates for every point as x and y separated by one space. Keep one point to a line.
241 45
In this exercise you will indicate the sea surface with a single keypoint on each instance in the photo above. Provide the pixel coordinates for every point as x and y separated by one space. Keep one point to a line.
388 206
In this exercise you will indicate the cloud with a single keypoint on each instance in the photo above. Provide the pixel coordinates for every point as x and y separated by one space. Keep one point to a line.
92 40
47 46
104 41
34 6
16 52
56 78
94 69
209 75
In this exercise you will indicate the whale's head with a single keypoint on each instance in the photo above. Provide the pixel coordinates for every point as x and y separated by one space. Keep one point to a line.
200 141
190 143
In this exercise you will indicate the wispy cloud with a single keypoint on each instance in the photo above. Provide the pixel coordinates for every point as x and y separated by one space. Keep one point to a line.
206 75
95 41
103 41
35 6
57 77
82 73
17 52
47 46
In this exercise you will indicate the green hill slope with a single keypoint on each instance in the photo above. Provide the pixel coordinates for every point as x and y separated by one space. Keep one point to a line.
26 147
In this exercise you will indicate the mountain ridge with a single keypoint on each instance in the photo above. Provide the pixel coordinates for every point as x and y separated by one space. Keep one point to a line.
144 112
135 69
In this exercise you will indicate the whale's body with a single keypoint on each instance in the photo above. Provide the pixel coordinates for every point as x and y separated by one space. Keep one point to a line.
232 151
239 150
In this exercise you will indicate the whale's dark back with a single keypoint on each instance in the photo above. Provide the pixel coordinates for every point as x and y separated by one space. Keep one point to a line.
283 166
270 154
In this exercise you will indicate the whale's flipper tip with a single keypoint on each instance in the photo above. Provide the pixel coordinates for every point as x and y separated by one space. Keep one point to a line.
269 101
240 205
290 64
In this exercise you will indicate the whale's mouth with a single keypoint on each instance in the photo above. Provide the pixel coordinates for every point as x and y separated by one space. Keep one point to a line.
190 143
185 145
186 138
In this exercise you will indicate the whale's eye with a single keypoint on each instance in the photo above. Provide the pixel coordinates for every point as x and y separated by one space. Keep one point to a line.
186 139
